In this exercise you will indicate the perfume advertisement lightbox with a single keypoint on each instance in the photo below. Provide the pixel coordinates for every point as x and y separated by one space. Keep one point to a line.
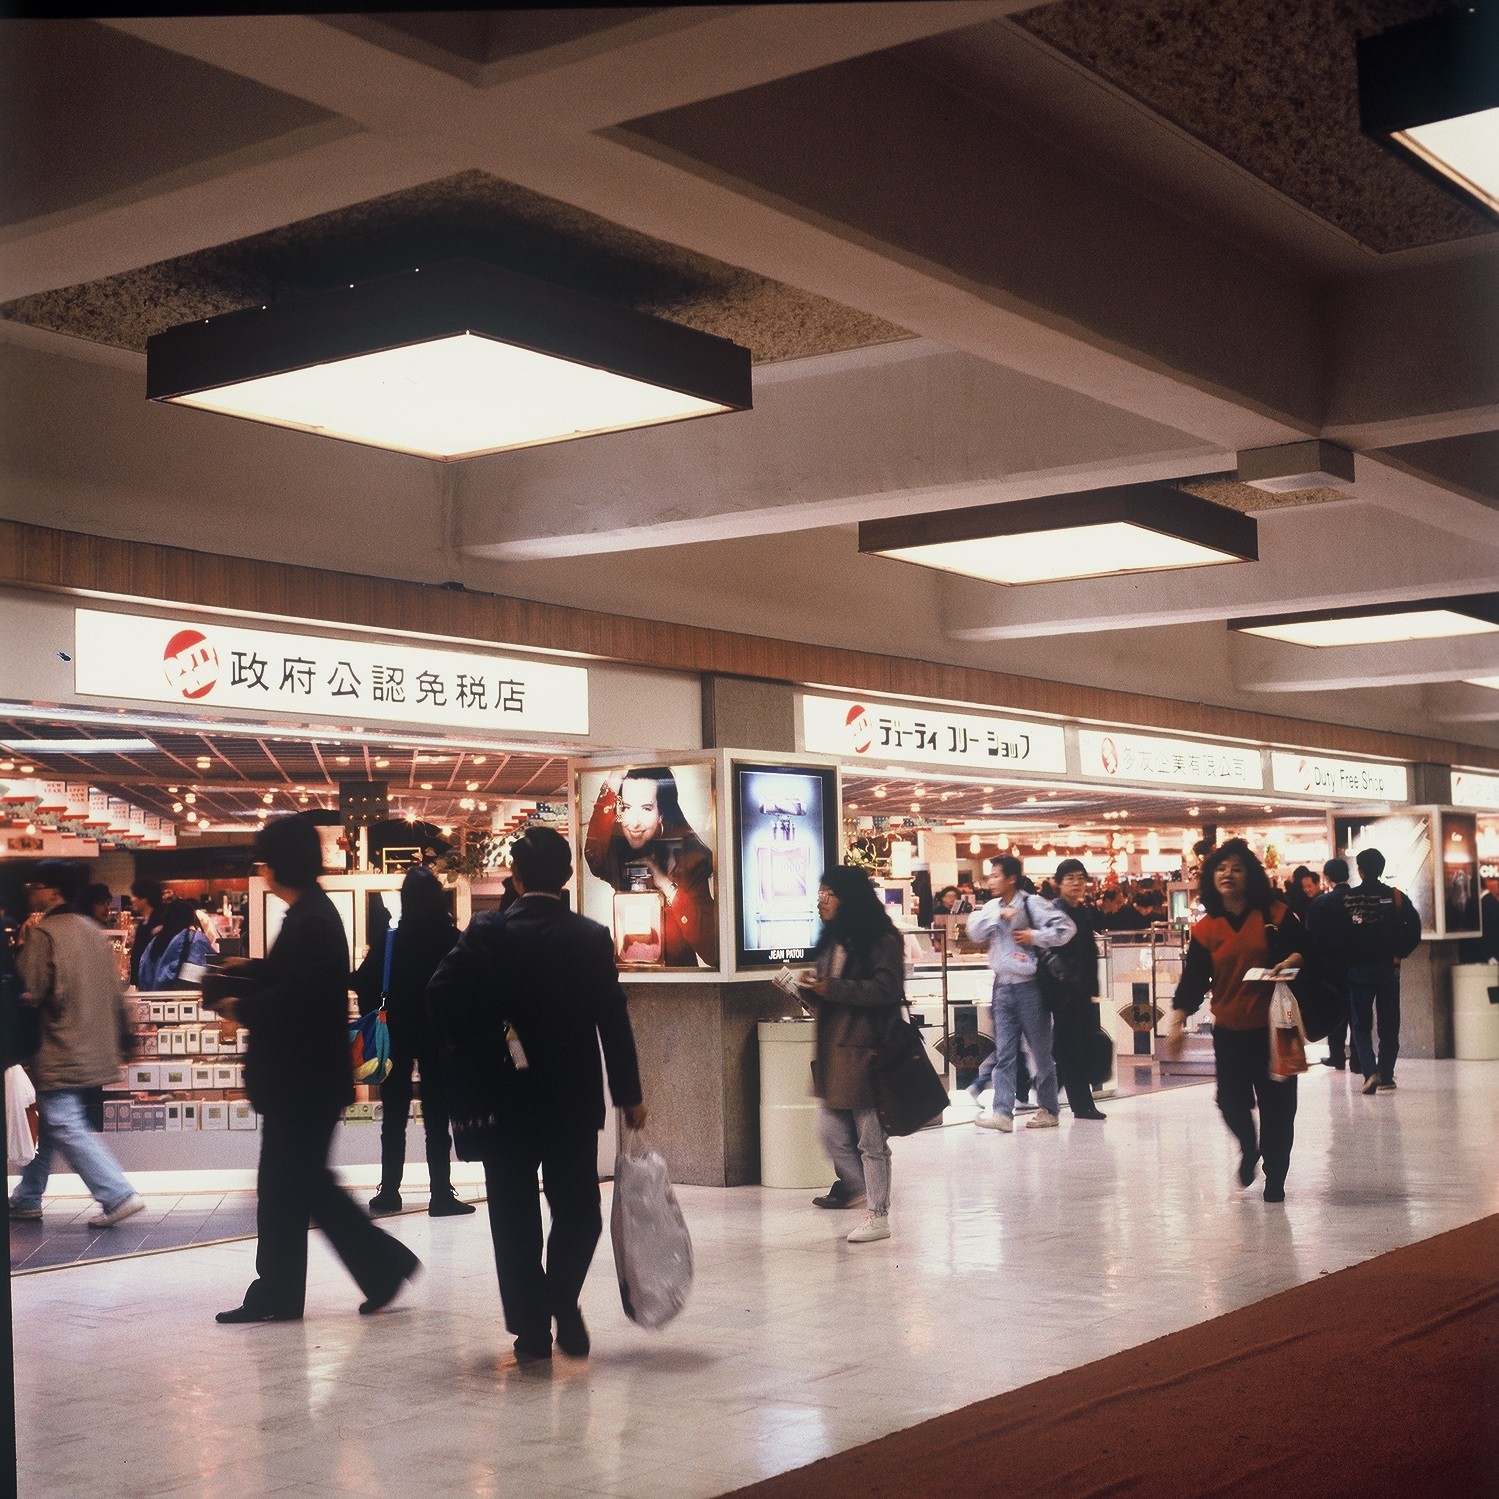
785 835
648 871
1405 839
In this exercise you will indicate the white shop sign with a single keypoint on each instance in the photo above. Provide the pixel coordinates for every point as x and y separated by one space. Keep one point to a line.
222 665
1117 755
1470 789
929 736
1353 780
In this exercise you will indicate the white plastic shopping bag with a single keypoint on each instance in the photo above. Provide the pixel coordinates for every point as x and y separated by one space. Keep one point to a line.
652 1248
19 1096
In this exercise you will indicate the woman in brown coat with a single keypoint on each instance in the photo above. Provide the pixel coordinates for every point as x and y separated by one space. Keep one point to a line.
856 991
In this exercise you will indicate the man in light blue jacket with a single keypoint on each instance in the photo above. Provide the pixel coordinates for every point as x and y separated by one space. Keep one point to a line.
1014 925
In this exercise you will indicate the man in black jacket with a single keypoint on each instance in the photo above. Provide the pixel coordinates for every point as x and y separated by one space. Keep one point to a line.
1385 929
549 976
1329 935
295 1002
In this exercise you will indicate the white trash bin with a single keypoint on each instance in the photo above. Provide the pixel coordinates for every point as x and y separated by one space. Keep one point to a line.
1475 1016
789 1153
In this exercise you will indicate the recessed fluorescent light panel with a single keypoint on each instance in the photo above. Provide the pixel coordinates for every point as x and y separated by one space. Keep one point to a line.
1101 533
1430 91
1491 682
451 361
79 746
1435 619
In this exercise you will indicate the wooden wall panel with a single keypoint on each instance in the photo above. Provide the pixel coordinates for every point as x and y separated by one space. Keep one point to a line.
72 562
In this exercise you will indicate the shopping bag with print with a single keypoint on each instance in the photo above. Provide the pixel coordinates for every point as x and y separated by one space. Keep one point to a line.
1287 1037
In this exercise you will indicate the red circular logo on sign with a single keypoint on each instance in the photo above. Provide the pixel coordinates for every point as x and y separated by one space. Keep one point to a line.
191 664
1110 756
860 734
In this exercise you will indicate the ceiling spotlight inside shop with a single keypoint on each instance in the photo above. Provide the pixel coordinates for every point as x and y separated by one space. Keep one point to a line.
477 759
341 759
268 798
1429 90
988 807
449 361
176 806
382 764
426 785
1380 624
1193 811
1029 800
302 801
974 845
27 770
192 816
1099 533
471 786
916 806
446 832
190 798
880 792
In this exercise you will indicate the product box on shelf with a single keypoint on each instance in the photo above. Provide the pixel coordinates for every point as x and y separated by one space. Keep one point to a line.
156 1010
171 1011
190 1115
174 1077
209 1041
146 1044
213 1114
112 1114
187 1009
173 1116
223 1074
192 1037
145 1075
138 1011
176 1040
202 1076
242 1115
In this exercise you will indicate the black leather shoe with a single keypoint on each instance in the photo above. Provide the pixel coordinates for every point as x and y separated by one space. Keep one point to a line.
1275 1192
1247 1167
836 1197
384 1203
388 1293
257 1314
572 1334
446 1205
532 1350
1091 1114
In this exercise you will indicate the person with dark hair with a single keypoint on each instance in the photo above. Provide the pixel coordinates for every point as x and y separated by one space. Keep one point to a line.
1247 926
1014 925
1328 942
176 957
855 989
95 901
921 888
295 1003
947 901
146 901
638 836
425 936
1385 927
68 968
1301 890
1076 1021
537 983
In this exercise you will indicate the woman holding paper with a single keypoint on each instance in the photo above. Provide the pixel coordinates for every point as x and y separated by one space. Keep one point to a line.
1235 949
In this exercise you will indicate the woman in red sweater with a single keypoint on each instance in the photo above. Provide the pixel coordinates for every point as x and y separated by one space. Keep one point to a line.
1247 926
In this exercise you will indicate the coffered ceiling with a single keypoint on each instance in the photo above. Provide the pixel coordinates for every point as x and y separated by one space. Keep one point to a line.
979 251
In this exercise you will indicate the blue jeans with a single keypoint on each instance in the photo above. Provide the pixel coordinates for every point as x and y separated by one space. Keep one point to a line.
1374 991
856 1145
1019 1009
63 1127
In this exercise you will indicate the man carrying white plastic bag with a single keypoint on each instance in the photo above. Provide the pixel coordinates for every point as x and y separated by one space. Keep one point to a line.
652 1248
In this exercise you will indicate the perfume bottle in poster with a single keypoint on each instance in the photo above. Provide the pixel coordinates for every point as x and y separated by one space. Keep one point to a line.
782 853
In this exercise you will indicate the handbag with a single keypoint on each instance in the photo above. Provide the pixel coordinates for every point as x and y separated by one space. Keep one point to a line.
369 1047
1287 1039
908 1093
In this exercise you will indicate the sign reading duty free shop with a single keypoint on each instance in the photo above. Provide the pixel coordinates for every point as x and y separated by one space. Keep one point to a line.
1352 780
216 664
930 736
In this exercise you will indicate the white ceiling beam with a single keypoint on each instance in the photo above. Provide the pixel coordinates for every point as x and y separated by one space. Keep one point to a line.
1261 665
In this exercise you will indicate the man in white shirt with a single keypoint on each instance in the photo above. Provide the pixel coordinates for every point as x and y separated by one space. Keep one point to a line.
1014 926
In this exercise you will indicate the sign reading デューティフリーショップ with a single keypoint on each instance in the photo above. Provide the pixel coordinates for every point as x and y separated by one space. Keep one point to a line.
210 662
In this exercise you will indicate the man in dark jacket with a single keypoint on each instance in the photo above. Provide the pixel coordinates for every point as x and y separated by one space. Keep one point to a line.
1384 928
536 984
1329 936
295 1002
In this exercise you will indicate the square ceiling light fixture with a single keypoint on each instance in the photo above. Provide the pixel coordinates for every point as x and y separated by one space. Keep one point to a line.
449 361
1380 624
1134 529
1430 90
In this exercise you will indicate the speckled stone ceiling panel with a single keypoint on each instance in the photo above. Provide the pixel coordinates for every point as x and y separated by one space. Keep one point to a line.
1272 85
469 215
1232 495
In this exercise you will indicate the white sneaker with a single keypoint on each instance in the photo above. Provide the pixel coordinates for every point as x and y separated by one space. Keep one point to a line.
991 1120
1042 1119
875 1226
127 1209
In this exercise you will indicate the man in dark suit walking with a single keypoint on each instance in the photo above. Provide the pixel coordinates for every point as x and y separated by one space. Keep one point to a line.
537 984
295 1001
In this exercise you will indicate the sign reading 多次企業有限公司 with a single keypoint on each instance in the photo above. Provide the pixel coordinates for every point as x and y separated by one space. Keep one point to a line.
1115 754
1348 780
213 663
1470 788
851 728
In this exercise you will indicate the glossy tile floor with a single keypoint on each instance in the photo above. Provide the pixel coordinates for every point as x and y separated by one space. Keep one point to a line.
1013 1257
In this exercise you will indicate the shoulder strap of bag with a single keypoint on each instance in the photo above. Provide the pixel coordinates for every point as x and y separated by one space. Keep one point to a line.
390 947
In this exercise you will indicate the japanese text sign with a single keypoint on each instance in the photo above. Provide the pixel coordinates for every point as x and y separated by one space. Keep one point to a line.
929 736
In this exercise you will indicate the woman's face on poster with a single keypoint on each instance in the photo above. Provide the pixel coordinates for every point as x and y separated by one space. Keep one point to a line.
639 815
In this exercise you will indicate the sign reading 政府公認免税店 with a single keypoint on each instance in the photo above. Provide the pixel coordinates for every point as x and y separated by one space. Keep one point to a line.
1348 780
847 727
212 663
